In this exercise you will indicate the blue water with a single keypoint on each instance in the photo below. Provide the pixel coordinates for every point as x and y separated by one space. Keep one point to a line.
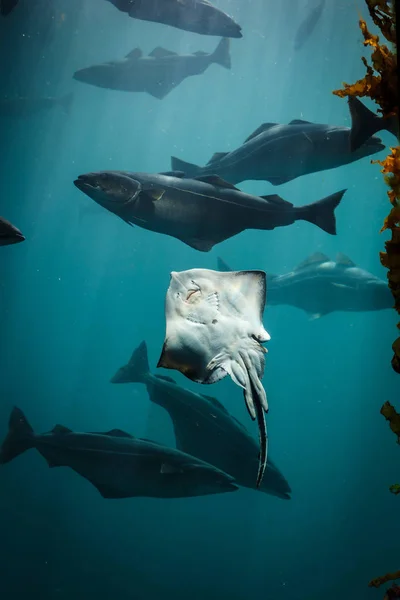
85 289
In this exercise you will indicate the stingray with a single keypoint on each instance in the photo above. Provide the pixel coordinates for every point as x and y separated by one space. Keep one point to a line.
214 328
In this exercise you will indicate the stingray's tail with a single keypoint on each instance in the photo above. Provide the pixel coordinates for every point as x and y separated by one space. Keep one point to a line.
261 408
365 123
137 369
19 438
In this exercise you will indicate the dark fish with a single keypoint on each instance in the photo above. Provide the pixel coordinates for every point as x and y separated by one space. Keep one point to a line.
204 428
199 16
364 123
9 234
280 153
116 463
157 74
308 25
320 286
200 212
25 107
7 6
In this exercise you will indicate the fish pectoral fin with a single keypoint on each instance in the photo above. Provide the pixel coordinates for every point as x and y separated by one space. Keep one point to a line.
341 285
160 89
160 52
154 193
178 174
134 54
217 181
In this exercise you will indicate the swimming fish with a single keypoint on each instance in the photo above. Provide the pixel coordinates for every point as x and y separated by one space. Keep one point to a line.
157 74
9 234
116 463
321 286
7 6
19 106
204 428
308 25
281 153
182 208
199 16
214 328
365 123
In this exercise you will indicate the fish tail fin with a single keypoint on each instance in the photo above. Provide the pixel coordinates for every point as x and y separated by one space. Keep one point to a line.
322 212
137 368
365 123
19 438
66 102
221 54
223 266
189 169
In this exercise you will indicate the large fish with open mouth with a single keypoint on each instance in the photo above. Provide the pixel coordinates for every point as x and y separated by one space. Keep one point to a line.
204 428
281 153
198 16
213 329
157 74
200 212
320 286
116 463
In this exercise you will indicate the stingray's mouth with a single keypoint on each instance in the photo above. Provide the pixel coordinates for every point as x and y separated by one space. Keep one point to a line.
193 292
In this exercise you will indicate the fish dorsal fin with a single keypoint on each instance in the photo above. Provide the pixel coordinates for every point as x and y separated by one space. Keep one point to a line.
179 174
216 403
60 429
160 52
217 181
118 433
134 54
316 258
223 266
200 53
275 199
300 122
216 157
166 378
344 260
261 129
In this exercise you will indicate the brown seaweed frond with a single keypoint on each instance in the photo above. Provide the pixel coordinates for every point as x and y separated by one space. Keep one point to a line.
382 15
380 81
378 581
391 415
391 258
395 489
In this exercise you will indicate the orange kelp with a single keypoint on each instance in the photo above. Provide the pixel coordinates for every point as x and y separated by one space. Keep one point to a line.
381 85
390 414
